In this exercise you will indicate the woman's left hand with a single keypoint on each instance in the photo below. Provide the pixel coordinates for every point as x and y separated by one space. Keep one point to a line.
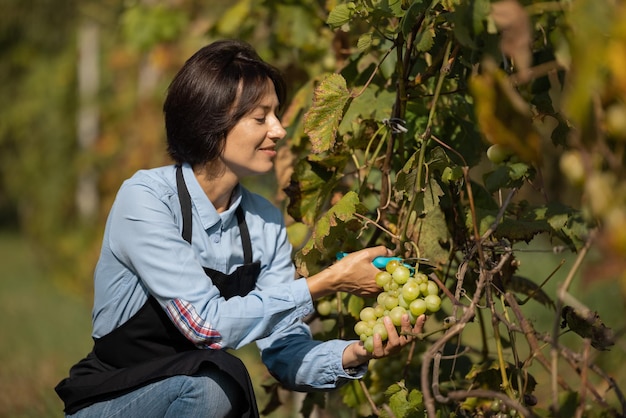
356 353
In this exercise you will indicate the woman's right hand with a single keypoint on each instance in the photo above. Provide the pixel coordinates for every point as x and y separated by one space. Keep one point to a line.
354 274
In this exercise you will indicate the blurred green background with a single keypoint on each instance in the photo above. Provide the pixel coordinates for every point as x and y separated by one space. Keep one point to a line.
83 83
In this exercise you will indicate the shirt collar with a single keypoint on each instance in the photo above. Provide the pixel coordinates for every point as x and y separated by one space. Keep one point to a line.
209 216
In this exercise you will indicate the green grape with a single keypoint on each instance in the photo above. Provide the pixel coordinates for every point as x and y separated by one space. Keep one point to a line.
396 315
361 328
391 302
379 310
391 265
382 278
418 307
410 291
420 277
369 344
432 288
367 314
392 285
381 330
380 299
402 302
433 303
424 288
496 405
401 274
324 307
498 153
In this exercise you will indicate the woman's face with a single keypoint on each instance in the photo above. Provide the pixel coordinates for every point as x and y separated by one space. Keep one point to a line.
251 145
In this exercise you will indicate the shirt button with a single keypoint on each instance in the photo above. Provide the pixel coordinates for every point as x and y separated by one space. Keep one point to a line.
216 238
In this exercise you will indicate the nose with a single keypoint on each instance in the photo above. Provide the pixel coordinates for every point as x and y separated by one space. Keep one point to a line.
276 131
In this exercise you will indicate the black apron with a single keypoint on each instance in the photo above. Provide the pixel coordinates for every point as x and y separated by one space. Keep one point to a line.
148 347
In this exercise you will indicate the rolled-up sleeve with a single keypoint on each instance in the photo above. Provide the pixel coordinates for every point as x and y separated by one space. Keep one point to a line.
303 364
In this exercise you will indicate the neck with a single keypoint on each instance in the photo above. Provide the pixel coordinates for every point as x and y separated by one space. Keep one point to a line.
218 187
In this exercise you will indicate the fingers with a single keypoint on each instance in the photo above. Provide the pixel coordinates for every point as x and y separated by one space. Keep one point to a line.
371 253
419 324
396 341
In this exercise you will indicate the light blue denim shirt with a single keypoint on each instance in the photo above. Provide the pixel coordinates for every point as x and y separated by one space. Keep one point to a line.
143 252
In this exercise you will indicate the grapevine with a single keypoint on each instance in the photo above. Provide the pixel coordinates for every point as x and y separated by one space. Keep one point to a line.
437 138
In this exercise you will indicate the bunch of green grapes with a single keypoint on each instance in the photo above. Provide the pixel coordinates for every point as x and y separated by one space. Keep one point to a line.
403 293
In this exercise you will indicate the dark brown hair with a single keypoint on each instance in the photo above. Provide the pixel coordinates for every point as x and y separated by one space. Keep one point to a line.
214 89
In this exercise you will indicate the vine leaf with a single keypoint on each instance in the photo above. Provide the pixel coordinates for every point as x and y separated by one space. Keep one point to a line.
322 120
404 403
308 190
330 227
561 221
411 16
340 15
343 211
529 288
508 175
588 325
487 375
429 229
353 396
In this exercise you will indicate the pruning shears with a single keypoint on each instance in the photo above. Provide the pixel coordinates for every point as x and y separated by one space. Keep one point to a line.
381 262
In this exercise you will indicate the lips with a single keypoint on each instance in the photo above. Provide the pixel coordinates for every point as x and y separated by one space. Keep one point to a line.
270 151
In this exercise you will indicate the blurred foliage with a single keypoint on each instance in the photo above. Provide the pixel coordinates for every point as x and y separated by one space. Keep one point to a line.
139 45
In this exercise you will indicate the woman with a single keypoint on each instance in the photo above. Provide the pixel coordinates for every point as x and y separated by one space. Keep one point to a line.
192 263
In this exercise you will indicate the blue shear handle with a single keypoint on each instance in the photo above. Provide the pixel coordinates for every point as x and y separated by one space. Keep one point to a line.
379 262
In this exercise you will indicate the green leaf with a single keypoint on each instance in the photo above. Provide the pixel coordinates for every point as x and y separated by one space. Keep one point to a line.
361 108
322 120
232 20
429 230
557 219
365 42
340 15
410 17
480 11
508 175
355 304
529 288
568 403
342 211
145 26
588 324
405 180
297 233
425 40
329 232
309 189
404 403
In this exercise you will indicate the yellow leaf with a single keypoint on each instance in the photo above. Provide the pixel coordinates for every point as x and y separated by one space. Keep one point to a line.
503 115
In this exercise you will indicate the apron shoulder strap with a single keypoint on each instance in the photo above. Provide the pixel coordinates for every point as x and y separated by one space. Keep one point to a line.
185 207
185 203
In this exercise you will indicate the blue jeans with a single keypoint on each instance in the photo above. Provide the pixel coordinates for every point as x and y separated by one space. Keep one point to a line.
212 394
